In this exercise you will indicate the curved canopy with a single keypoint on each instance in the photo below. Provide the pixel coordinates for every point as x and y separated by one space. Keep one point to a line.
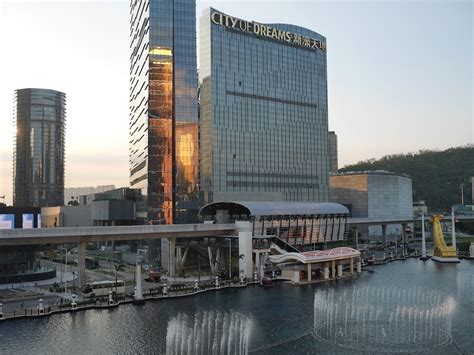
274 208
316 256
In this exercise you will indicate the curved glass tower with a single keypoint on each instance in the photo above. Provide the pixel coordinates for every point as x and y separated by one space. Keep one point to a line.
38 160
163 128
264 113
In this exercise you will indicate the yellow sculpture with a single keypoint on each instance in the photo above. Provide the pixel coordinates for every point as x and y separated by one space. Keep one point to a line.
442 252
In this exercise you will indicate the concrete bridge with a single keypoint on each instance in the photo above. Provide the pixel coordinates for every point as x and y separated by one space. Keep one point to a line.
83 235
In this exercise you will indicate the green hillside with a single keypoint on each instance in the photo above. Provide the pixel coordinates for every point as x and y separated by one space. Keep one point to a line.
436 175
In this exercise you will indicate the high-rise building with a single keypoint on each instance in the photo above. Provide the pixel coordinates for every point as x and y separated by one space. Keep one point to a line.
38 160
332 150
163 128
264 111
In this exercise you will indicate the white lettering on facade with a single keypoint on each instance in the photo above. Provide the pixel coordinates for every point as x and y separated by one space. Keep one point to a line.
266 31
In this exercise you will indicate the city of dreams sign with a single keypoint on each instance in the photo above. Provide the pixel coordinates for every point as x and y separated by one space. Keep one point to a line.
266 31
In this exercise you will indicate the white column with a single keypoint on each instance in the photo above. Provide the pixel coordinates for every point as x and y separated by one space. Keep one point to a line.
257 262
296 276
359 267
309 272
453 230
333 269
211 262
111 300
423 236
41 306
245 248
138 281
326 272
339 270
351 265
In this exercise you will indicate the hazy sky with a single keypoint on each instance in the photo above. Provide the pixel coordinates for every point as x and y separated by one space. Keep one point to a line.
400 74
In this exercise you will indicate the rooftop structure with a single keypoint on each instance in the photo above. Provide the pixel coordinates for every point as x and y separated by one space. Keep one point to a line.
268 209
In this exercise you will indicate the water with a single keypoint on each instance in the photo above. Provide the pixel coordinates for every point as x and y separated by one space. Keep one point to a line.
401 307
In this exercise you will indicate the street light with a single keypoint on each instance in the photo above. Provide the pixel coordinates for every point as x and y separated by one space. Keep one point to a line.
230 258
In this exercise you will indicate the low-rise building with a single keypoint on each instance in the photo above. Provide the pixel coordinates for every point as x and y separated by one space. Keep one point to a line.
108 208
374 194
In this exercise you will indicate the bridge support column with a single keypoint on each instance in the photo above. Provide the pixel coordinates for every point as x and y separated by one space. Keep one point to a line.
339 270
309 272
172 257
257 262
333 271
359 266
326 272
351 265
384 235
138 282
81 263
245 248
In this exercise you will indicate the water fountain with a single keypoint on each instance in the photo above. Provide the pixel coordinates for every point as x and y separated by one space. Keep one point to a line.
465 286
383 319
209 332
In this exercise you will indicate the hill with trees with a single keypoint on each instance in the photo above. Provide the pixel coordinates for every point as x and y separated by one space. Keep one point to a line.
437 175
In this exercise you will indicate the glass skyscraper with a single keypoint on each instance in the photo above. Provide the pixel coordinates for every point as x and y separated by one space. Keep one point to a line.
163 110
264 111
38 159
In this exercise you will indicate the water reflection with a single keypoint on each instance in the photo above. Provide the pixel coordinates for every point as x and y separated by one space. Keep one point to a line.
209 332
384 318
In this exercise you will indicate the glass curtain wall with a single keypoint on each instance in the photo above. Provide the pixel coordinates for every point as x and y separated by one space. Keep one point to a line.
38 173
164 130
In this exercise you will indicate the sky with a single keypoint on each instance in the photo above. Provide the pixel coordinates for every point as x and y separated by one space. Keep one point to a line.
400 74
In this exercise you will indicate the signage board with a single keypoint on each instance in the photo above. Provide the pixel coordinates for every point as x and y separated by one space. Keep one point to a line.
28 220
266 31
7 221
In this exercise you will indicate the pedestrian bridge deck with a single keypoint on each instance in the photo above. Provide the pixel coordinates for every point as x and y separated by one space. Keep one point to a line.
91 234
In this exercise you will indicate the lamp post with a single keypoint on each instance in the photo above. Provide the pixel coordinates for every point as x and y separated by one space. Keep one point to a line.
230 258
65 270
453 232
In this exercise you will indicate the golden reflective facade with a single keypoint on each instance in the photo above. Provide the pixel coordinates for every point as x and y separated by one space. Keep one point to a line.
163 110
